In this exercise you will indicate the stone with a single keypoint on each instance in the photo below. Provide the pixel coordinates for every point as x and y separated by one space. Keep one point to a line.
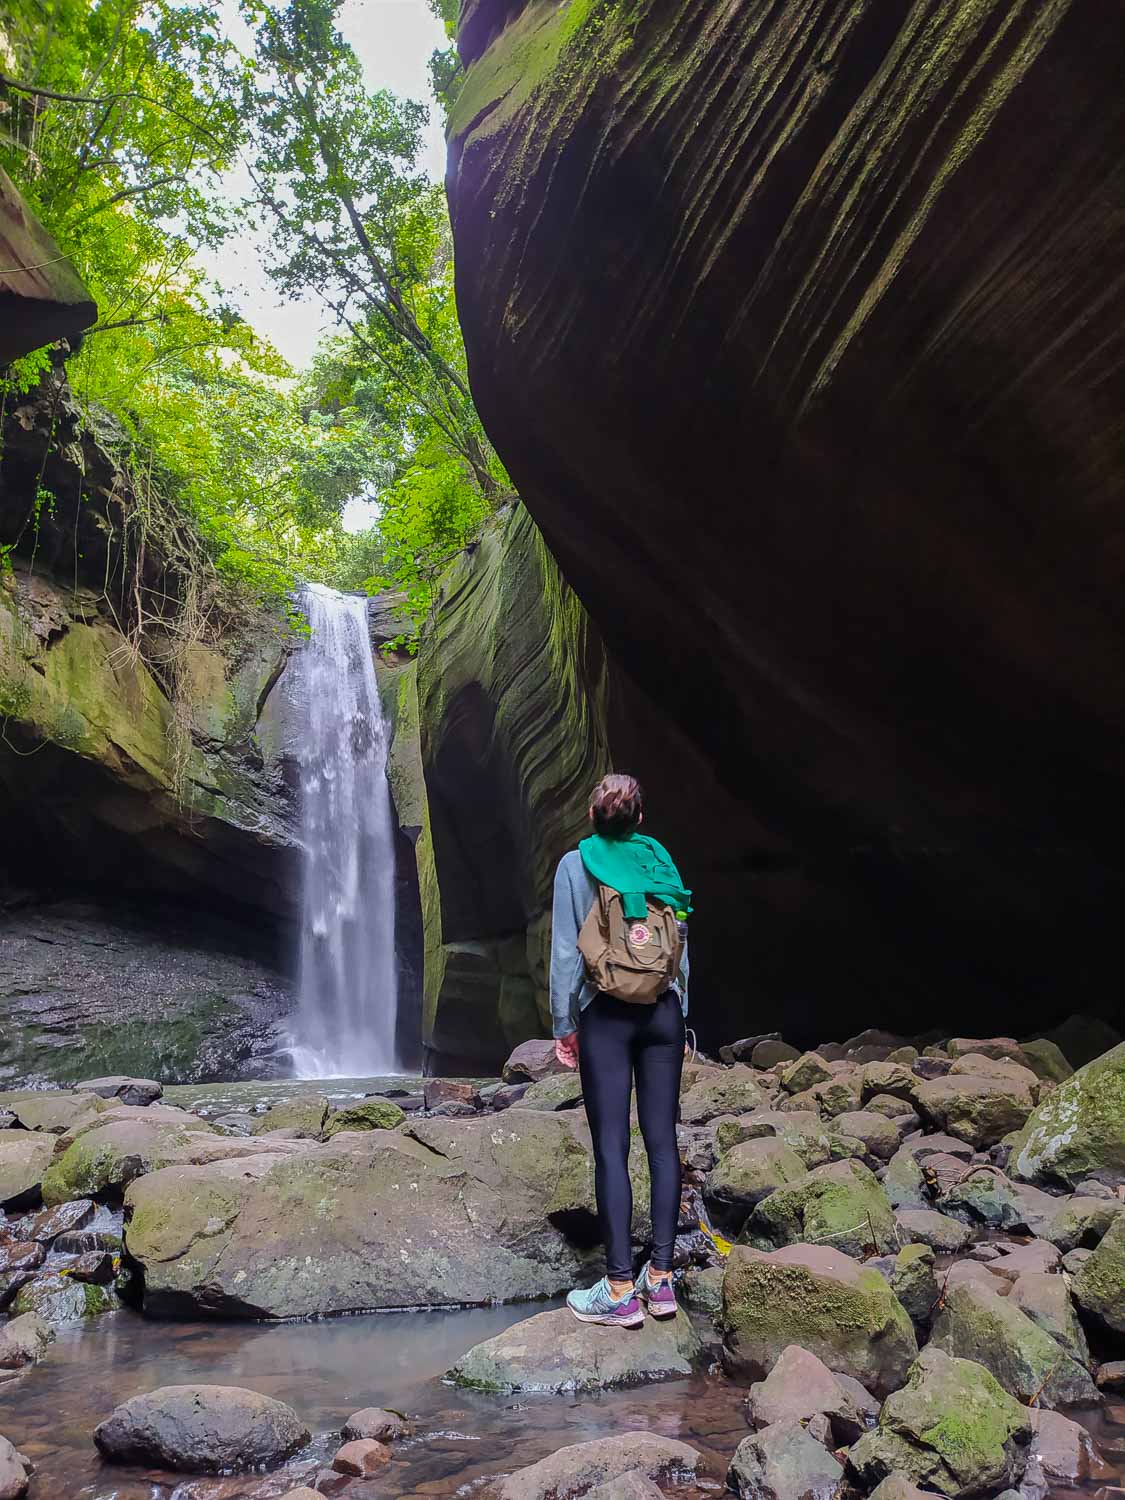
15 1469
1046 1300
840 1204
554 1352
985 1196
1081 1223
1062 1452
804 1072
970 1272
939 1144
905 1183
361 1458
303 1116
817 1297
771 1051
1111 1376
894 1108
1046 1060
24 1158
20 1255
897 1487
509 1095
1099 1287
978 1110
914 1283
784 1462
893 1079
802 1131
206 1429
82 1241
1037 1255
376 1423
1083 1038
743 1049
368 1114
531 1061
303 1492
626 1487
24 1341
138 1091
702 1292
879 1136
728 1091
572 1471
96 1268
744 1175
501 1208
49 1223
976 1323
1074 1260
1001 1068
560 1091
928 1067
58 1300
445 1090
44 299
799 1387
953 1428
1078 1130
836 1097
997 1048
924 1226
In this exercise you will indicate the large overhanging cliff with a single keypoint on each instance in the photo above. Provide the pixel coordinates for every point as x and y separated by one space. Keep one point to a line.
800 326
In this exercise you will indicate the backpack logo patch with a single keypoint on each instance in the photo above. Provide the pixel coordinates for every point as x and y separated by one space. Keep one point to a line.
639 935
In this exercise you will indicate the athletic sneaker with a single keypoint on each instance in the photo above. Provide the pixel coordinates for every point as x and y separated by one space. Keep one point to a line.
597 1304
658 1295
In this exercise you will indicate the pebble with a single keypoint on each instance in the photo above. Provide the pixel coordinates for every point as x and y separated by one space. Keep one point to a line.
361 1458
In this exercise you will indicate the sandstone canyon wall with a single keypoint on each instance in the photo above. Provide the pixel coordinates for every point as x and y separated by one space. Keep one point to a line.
801 329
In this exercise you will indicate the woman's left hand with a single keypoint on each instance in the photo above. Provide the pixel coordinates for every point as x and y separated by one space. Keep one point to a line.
566 1050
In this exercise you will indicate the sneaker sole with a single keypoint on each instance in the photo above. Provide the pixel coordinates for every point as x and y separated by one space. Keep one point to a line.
608 1320
662 1314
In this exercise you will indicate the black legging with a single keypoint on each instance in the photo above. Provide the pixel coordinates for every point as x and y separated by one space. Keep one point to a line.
616 1040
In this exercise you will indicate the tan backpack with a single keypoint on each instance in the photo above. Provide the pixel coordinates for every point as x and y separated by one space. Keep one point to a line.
631 960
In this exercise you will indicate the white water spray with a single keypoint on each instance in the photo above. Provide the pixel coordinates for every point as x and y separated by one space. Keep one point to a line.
348 996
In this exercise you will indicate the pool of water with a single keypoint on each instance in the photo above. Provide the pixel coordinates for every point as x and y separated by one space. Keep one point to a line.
327 1370
223 1098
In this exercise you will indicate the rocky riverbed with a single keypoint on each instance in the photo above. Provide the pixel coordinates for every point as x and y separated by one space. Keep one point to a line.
902 1269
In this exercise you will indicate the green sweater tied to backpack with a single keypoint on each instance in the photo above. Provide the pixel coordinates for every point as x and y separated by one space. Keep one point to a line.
639 868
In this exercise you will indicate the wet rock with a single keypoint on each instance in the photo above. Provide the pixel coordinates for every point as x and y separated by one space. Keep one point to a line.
361 1458
699 1150
530 1062
976 1323
800 1386
727 1091
500 1208
301 1117
924 1226
1099 1287
24 1158
879 1136
138 1091
702 1292
15 1471
815 1296
82 1241
49 1223
953 1428
840 1204
378 1424
1080 1222
554 1352
561 1091
573 1471
802 1074
59 1300
746 1174
1062 1452
1046 1060
783 1462
914 1283
1046 1301
20 1255
1078 1131
95 1268
444 1090
369 1114
974 1109
23 1341
770 1051
207 1429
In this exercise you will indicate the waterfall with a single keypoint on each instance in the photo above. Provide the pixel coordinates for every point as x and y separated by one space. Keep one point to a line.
348 987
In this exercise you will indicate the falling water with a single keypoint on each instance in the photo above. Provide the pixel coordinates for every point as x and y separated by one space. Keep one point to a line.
348 996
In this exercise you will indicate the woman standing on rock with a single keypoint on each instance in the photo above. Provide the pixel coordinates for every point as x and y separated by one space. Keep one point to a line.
619 998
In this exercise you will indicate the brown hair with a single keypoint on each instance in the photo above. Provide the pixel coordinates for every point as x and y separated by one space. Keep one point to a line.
617 804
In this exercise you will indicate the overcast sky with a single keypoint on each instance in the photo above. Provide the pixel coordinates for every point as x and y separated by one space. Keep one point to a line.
393 40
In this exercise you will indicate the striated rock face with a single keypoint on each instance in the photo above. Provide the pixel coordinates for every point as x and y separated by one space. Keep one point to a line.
511 694
45 301
796 328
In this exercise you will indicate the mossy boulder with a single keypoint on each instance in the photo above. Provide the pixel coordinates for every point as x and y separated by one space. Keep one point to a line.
301 1116
878 1135
57 1300
803 1131
722 1091
1078 1131
1081 1222
913 1281
953 1429
1045 1059
841 1204
745 1175
558 1091
784 1460
977 1323
1099 1287
812 1295
368 1114
24 1161
974 1108
807 1070
553 1352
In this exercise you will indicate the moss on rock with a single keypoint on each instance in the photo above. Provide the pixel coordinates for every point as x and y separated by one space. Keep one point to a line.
1078 1131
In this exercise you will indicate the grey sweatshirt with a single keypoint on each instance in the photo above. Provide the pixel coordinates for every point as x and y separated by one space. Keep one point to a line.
571 990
